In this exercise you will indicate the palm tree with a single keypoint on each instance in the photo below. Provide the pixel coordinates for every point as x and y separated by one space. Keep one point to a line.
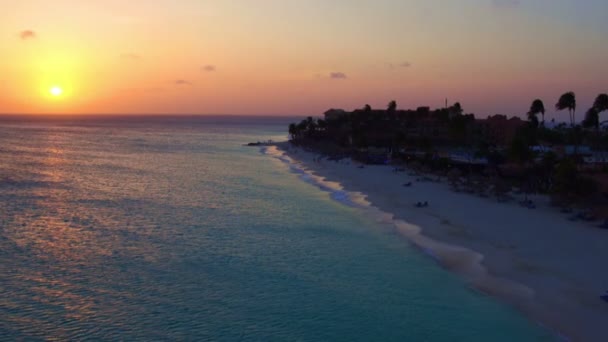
568 101
301 128
458 108
321 124
455 110
601 104
592 119
293 131
537 107
311 126
533 119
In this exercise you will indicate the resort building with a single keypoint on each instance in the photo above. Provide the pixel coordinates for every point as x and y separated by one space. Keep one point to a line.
498 130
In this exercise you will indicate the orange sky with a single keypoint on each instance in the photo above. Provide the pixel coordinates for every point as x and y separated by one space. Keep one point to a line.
298 57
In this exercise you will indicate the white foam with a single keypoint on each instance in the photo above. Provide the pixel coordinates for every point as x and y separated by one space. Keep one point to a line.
460 260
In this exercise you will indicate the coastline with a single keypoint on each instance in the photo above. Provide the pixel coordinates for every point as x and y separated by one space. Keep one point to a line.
535 260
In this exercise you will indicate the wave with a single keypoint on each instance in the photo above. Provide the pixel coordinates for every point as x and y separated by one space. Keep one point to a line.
461 260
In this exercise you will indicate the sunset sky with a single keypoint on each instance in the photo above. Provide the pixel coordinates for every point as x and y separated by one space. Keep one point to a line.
298 56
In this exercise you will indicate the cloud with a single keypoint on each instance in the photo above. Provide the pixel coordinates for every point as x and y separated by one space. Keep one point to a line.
337 76
505 3
404 65
131 56
27 34
209 68
182 83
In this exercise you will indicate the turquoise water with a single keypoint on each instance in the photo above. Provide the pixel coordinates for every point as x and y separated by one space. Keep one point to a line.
158 229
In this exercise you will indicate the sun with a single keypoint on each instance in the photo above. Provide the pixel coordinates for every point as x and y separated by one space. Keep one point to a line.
56 91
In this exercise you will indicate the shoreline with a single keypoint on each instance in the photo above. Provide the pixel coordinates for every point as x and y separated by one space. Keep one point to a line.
535 260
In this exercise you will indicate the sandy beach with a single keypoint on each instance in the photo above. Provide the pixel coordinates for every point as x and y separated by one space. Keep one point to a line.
552 269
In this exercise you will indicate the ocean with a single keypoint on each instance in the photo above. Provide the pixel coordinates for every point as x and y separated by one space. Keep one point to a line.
168 228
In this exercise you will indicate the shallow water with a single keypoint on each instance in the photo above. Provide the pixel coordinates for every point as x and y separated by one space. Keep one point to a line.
155 229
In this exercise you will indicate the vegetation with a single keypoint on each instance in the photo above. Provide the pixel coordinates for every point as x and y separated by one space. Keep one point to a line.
592 119
537 107
568 101
601 103
570 184
527 154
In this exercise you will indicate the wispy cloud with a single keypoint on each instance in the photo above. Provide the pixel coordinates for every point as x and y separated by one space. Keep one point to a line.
182 83
404 65
209 68
337 75
27 35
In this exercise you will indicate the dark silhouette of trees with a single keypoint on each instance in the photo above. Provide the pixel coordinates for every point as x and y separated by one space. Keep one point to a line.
311 126
293 131
424 135
308 128
321 125
568 101
458 129
569 183
301 128
533 119
455 110
458 108
537 107
600 104
520 151
592 119
565 178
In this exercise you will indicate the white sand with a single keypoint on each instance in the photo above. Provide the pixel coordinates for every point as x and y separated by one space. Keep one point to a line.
552 269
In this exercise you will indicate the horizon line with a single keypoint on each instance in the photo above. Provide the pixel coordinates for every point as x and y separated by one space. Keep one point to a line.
148 114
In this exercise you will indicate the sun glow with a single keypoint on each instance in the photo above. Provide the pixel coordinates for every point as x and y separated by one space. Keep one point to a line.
56 91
